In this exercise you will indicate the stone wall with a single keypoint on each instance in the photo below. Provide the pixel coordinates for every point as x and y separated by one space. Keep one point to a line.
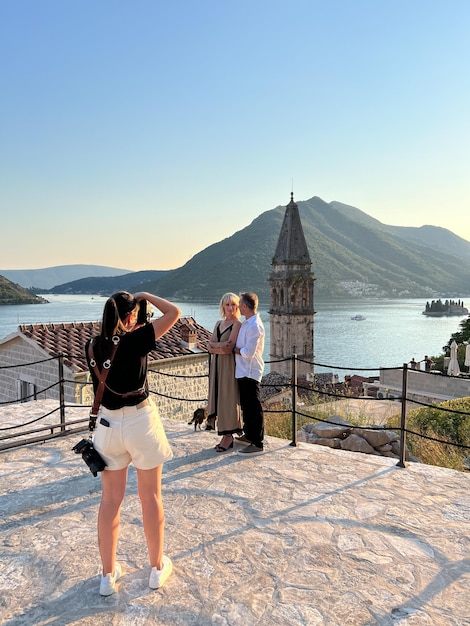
180 384
424 386
185 381
22 361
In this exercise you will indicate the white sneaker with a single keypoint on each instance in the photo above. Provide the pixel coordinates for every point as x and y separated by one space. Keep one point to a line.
158 576
108 582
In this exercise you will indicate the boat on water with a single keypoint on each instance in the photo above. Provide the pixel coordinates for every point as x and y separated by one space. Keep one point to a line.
358 317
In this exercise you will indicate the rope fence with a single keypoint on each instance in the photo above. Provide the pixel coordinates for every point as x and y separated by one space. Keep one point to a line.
62 427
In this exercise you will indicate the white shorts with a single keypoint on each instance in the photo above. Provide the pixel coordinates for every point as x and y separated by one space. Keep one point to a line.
134 435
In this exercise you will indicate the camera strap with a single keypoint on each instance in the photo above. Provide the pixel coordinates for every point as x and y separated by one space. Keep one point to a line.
101 376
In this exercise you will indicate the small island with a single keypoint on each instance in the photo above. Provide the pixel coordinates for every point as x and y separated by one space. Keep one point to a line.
437 308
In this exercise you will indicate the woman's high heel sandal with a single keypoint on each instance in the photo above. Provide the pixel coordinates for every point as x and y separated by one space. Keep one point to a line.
220 448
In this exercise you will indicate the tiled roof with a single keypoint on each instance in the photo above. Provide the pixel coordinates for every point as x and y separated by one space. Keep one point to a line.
70 338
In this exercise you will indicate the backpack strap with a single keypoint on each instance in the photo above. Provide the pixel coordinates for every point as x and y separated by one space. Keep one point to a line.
101 376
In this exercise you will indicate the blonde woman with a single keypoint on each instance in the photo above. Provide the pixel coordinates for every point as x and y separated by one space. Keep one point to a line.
224 403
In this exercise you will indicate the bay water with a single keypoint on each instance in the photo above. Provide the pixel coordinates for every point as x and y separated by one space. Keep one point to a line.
393 331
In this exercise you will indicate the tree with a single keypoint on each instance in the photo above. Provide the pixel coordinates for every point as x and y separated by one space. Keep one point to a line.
460 336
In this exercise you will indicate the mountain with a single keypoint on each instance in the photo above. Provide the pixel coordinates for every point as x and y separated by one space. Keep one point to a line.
352 254
10 293
131 281
434 236
49 276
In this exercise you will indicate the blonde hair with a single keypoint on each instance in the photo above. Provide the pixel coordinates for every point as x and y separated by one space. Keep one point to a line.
227 298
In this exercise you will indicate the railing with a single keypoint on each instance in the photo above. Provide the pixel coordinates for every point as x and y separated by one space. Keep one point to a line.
16 435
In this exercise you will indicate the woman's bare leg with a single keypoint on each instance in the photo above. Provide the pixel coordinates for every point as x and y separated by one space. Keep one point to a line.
150 494
113 489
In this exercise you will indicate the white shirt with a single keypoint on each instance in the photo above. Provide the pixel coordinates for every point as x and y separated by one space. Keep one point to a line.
250 341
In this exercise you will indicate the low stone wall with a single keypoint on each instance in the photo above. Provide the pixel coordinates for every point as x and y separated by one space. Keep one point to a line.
425 386
40 374
180 385
339 434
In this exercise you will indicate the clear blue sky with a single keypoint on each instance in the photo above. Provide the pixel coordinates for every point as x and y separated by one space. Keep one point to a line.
135 133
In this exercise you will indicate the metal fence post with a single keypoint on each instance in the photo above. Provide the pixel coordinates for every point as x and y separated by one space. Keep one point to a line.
61 392
294 400
404 393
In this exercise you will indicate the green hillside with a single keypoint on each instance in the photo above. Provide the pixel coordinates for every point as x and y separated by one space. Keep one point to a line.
352 254
104 285
10 293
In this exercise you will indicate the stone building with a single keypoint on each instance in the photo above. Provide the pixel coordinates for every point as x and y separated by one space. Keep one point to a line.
292 310
30 367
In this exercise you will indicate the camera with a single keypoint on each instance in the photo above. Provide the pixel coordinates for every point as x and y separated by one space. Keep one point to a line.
145 312
90 456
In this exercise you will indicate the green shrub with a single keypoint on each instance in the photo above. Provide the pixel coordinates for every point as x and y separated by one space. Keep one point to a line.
444 426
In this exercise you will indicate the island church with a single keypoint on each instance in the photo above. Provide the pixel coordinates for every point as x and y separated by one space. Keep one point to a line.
292 311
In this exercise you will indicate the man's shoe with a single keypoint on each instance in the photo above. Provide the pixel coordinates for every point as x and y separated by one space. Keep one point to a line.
251 450
158 576
242 439
108 582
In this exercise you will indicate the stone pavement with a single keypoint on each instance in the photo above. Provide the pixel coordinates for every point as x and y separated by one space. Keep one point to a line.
297 536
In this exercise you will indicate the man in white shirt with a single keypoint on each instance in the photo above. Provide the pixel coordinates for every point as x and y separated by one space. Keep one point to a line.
249 367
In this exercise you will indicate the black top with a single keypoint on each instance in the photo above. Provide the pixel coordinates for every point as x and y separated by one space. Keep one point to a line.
128 372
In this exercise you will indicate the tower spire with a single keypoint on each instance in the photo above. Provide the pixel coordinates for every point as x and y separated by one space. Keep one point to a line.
291 281
291 246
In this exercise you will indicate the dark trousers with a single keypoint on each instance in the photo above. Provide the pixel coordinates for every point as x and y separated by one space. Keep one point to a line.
252 411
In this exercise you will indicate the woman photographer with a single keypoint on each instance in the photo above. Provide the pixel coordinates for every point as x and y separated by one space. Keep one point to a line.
129 427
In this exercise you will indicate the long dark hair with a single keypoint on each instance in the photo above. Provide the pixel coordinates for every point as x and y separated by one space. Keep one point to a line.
115 311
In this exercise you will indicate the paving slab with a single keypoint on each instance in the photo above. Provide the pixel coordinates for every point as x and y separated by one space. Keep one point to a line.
297 536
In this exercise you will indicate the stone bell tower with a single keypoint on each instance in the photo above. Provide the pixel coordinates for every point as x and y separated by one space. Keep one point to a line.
291 283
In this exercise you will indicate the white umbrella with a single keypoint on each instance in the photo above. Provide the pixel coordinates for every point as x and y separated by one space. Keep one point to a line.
453 369
467 356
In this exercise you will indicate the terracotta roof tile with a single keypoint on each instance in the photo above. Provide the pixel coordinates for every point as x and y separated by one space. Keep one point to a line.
70 338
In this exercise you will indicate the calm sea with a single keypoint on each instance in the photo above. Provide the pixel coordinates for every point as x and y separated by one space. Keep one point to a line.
393 332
